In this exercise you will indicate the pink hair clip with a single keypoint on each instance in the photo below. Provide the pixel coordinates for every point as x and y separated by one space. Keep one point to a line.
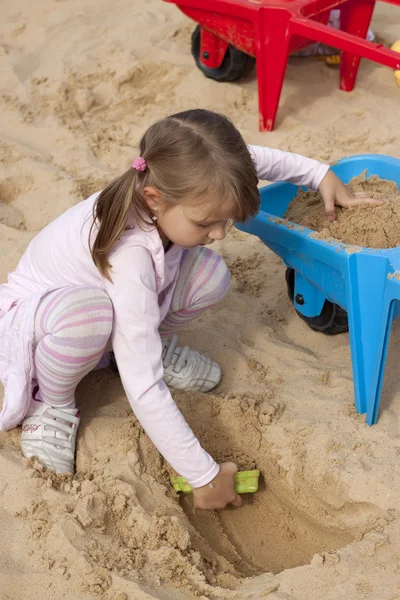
139 164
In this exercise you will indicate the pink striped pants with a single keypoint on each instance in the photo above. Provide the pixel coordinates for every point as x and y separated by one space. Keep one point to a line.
73 325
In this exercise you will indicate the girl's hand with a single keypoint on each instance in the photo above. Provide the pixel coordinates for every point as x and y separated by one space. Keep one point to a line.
334 191
222 491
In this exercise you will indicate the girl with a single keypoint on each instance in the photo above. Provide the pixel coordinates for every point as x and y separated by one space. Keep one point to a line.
131 265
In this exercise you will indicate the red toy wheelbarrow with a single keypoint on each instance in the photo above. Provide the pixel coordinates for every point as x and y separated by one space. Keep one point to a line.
232 33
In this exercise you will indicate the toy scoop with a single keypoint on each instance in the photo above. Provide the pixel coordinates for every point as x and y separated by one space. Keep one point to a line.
246 482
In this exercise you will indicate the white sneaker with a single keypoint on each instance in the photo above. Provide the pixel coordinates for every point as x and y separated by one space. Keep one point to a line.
50 434
185 369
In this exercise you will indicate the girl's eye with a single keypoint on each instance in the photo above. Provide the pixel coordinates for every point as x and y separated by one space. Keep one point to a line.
202 225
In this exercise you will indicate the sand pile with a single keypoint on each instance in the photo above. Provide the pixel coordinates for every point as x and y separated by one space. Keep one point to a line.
80 83
366 225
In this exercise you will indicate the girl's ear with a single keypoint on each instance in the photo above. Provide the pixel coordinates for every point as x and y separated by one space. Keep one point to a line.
152 198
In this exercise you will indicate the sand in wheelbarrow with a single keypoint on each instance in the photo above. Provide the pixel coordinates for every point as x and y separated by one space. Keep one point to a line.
371 226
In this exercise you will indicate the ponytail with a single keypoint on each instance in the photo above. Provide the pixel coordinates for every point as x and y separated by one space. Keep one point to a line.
110 216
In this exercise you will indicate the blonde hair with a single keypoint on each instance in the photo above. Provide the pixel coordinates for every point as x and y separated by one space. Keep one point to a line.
190 156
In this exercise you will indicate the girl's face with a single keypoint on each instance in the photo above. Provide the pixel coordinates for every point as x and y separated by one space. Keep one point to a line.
197 225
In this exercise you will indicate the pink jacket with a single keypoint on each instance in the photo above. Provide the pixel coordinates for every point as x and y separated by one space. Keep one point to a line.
144 279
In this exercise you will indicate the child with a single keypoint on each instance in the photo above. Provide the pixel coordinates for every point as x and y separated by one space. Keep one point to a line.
131 265
324 50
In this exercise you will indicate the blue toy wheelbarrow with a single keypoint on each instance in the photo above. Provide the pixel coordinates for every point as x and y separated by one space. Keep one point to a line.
334 286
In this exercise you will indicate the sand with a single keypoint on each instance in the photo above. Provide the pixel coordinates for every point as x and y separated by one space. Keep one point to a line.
371 226
80 83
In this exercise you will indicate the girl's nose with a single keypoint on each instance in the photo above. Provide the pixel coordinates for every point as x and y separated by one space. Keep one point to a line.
217 233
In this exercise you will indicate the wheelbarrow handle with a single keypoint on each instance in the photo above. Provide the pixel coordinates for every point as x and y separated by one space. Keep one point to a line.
344 41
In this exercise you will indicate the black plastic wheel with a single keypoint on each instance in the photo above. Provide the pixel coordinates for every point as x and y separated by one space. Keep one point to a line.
236 64
332 320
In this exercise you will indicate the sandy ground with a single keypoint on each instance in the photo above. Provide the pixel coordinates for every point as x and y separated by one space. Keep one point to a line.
80 81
